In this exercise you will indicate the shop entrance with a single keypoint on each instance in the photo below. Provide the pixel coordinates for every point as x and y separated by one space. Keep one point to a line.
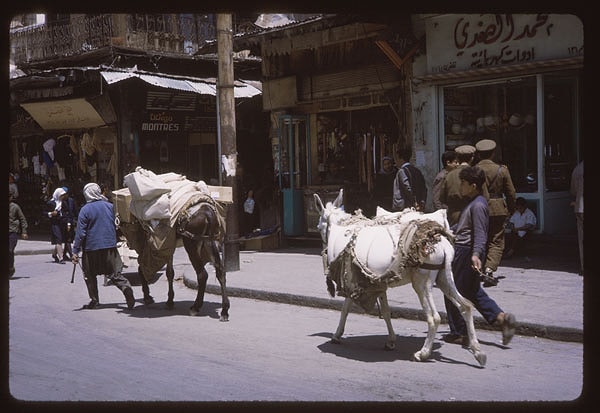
294 170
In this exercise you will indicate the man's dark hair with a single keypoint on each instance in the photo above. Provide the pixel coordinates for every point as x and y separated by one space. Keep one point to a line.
448 156
520 201
473 175
404 152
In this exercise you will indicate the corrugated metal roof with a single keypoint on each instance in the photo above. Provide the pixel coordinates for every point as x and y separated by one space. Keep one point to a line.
208 86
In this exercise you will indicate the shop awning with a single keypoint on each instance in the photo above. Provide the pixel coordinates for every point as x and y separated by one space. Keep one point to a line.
64 114
242 89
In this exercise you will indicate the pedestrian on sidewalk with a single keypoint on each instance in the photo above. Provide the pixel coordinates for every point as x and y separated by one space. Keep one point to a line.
54 211
449 163
409 189
502 198
384 184
96 238
450 188
577 203
17 224
470 247
70 211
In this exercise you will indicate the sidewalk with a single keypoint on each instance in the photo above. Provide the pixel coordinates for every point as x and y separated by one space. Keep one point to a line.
544 291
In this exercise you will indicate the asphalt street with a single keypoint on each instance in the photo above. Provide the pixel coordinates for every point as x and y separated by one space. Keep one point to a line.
543 290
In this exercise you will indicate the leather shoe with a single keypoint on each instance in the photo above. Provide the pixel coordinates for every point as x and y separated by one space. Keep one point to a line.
454 338
91 305
128 292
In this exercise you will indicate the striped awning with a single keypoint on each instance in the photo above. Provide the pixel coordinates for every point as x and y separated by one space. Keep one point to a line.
509 70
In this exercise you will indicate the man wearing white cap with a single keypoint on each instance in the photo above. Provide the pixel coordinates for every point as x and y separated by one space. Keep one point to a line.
501 201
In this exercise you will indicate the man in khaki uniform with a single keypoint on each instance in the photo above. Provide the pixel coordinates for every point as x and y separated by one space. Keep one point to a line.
501 201
450 188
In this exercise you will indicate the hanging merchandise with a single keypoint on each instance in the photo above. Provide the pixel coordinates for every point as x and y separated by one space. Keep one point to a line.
48 152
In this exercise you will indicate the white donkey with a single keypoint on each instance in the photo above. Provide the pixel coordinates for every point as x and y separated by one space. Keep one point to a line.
370 248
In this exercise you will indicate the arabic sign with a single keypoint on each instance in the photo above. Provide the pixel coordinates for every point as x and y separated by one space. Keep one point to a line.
475 41
64 114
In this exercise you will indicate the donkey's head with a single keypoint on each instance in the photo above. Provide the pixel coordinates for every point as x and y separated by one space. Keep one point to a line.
326 212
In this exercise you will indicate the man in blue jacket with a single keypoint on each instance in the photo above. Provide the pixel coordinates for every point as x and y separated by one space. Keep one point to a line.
470 245
96 236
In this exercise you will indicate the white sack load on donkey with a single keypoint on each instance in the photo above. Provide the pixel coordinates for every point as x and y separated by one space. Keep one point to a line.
366 256
157 212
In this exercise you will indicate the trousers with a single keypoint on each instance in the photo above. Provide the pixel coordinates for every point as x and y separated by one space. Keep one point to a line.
469 286
107 262
495 248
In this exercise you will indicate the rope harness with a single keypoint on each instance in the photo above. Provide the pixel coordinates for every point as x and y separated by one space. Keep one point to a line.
356 280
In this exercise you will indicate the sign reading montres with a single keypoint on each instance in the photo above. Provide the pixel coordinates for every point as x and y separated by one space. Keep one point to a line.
474 41
162 121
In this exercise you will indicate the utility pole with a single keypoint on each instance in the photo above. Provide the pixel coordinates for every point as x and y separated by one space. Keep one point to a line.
226 114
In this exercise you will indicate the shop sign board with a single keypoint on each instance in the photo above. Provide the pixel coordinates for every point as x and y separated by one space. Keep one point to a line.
458 42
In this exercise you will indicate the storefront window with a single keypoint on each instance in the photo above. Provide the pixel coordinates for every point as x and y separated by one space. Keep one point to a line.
503 112
560 126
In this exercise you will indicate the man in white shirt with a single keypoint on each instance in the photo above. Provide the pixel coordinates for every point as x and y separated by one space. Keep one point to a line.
521 223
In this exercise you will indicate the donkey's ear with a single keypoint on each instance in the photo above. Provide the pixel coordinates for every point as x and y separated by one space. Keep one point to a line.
318 203
340 199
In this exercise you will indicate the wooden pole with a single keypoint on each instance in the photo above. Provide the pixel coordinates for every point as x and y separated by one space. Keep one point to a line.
226 102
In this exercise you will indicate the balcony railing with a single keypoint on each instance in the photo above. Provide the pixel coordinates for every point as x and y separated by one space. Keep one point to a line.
168 33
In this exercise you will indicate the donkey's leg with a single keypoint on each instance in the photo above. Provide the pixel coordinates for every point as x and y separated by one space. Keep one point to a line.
337 337
170 277
445 282
194 251
148 299
390 344
221 276
422 284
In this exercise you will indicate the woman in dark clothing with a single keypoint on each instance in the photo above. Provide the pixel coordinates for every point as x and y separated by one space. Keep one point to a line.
470 249
70 211
55 213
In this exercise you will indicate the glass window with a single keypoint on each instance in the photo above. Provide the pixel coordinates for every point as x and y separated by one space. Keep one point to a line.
560 125
503 112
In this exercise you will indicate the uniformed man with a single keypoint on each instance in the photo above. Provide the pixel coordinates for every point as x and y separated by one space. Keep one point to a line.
501 201
450 190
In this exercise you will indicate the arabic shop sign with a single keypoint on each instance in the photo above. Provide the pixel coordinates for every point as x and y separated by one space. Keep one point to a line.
476 41
163 122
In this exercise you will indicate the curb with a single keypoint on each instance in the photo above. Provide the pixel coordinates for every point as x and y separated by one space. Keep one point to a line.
34 252
524 329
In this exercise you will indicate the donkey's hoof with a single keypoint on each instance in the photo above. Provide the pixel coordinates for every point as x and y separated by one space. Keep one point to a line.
336 340
149 300
481 358
193 311
389 346
224 318
420 356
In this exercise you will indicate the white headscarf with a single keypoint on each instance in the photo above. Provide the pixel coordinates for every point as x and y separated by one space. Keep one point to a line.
92 192
58 192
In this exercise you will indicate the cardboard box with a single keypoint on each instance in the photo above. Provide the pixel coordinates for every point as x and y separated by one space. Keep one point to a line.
221 193
122 199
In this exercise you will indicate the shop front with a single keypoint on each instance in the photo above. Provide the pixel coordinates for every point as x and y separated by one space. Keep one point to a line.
65 142
328 150
515 79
